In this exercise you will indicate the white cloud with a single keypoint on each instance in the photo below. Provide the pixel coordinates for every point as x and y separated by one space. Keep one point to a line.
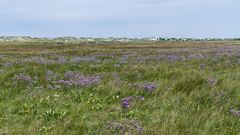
134 16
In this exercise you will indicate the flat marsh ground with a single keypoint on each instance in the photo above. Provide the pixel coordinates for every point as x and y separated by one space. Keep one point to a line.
150 88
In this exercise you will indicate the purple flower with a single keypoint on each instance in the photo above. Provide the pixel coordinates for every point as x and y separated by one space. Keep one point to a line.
172 58
45 61
196 56
149 87
24 78
39 60
125 127
83 59
7 64
50 76
62 59
126 102
76 79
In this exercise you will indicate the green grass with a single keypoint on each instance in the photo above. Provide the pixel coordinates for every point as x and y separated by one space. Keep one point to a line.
184 102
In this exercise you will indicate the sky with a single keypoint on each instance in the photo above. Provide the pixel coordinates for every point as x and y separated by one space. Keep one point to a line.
121 18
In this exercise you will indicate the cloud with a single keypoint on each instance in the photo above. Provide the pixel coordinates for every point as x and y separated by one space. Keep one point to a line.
125 17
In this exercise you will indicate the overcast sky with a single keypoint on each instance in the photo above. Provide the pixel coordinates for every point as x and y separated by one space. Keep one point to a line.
120 18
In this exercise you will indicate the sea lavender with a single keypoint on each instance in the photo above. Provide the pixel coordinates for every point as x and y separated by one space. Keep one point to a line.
83 59
7 64
24 78
126 102
62 59
149 87
72 75
161 57
64 82
125 127
172 58
39 60
223 50
76 79
196 56
50 76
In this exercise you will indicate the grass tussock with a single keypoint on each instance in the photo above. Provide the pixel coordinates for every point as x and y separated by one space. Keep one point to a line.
188 84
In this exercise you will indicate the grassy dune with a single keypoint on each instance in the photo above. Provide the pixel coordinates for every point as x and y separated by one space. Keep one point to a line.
120 88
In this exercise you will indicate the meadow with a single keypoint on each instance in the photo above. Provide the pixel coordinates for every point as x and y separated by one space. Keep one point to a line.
152 88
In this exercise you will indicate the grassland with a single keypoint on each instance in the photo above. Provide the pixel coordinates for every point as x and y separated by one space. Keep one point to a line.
105 88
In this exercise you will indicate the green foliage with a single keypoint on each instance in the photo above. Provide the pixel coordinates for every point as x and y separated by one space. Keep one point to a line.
192 96
187 84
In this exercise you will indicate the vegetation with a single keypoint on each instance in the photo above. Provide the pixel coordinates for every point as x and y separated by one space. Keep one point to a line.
139 87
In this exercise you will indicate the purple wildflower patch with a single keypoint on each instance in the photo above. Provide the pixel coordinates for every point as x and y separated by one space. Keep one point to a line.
125 127
23 78
196 56
50 76
77 79
7 64
126 102
39 60
172 58
83 59
147 86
